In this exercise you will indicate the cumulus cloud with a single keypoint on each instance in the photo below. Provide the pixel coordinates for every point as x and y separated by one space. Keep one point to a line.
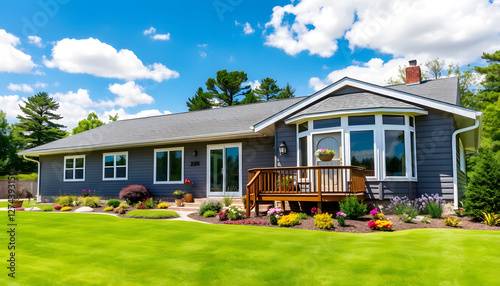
10 105
161 37
203 54
130 94
91 56
202 45
122 114
253 84
374 71
459 30
13 59
20 87
35 40
247 28
149 31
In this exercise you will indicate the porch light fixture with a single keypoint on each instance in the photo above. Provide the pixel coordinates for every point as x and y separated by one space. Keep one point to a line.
195 153
283 148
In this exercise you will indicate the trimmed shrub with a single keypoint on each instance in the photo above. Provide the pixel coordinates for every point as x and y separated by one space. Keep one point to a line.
303 216
57 207
452 222
289 220
134 193
47 208
210 205
163 206
152 214
92 202
113 203
124 206
65 209
323 221
108 209
209 214
352 207
66 201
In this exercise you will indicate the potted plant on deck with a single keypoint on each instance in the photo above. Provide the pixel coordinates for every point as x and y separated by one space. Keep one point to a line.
188 197
324 154
178 195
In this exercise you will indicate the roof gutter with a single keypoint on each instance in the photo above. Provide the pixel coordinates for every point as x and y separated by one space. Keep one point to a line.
454 157
38 178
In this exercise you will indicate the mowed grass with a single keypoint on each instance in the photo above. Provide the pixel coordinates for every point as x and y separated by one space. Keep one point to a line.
152 214
92 249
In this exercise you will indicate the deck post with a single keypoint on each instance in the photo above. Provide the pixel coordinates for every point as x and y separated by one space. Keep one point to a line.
247 202
257 208
320 206
320 197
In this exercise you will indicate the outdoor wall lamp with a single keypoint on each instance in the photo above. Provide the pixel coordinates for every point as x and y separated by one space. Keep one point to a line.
195 153
283 148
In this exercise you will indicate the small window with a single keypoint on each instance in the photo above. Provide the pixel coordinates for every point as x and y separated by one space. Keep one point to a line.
326 123
169 165
303 151
303 127
361 120
393 119
115 166
413 156
74 168
395 153
412 123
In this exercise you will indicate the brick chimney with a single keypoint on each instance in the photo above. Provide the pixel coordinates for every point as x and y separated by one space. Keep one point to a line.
413 73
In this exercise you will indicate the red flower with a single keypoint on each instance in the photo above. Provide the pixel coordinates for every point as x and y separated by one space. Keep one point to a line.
372 224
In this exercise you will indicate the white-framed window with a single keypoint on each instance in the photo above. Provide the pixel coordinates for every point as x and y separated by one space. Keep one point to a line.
169 166
385 144
74 168
115 166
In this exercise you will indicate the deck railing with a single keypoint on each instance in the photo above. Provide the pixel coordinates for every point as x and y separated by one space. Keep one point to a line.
314 181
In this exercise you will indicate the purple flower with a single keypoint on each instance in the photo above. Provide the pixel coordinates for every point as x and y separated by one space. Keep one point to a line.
341 213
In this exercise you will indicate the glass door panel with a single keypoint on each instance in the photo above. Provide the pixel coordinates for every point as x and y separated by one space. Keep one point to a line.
224 170
232 170
216 167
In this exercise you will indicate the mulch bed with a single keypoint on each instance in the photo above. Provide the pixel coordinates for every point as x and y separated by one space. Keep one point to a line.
361 225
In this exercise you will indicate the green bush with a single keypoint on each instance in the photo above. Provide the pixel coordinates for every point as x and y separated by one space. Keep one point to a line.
352 207
149 203
435 209
66 201
235 213
113 203
303 216
426 220
227 201
124 206
46 208
483 186
93 202
210 205
491 219
323 221
152 214
452 222
289 220
209 214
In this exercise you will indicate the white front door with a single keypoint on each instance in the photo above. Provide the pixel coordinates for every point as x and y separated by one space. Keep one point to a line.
224 170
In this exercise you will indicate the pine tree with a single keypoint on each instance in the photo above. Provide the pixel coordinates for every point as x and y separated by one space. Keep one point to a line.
201 100
37 126
227 86
286 92
268 89
92 121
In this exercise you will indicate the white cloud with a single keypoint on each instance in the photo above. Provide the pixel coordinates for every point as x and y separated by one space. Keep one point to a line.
10 105
130 94
35 40
20 87
13 60
375 71
247 28
253 84
91 56
458 30
40 85
149 31
122 114
73 107
202 45
203 54
161 37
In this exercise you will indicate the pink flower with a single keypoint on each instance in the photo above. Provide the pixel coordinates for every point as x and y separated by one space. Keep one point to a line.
372 224
374 212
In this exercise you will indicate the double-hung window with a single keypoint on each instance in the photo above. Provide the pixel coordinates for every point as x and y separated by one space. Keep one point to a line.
115 166
169 166
74 168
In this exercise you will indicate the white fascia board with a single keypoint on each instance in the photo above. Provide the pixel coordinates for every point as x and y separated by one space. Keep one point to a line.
304 117
415 99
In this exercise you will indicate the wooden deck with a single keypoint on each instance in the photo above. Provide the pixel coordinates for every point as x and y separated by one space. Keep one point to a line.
312 184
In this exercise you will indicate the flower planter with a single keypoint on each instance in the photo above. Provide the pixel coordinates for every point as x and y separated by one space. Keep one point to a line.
188 198
326 157
178 202
17 204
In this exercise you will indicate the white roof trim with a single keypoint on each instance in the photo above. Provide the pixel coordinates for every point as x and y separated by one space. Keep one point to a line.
412 111
415 99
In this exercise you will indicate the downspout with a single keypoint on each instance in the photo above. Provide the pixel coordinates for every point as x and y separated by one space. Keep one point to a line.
38 178
454 158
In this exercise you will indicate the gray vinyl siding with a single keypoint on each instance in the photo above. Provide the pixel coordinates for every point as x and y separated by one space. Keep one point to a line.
288 134
434 157
389 189
256 152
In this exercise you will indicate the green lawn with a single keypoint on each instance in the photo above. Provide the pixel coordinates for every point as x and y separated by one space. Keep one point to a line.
25 204
87 249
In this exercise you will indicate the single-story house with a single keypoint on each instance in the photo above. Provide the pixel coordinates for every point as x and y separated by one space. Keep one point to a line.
409 138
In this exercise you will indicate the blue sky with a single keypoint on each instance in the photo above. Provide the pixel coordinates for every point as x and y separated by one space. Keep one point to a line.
96 55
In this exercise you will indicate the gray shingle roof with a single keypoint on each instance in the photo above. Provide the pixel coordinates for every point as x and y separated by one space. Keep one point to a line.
354 101
445 89
163 128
